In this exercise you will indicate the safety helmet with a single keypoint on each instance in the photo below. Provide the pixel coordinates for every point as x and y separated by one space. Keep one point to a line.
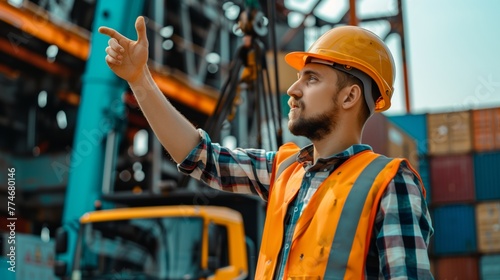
354 47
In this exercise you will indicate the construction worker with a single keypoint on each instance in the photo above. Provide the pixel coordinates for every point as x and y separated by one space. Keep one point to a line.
336 210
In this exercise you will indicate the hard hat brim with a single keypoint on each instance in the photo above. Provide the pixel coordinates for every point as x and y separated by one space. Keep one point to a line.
298 59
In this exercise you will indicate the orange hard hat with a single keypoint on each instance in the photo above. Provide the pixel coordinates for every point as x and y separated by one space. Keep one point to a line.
354 47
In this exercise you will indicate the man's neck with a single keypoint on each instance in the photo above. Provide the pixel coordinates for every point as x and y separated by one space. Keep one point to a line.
336 142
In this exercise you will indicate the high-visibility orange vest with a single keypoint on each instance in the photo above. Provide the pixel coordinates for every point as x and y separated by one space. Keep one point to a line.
348 200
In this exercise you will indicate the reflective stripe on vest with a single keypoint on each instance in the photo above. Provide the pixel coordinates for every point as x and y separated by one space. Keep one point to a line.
286 163
343 239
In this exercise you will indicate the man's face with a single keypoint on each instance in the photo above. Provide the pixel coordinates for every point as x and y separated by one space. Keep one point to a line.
313 102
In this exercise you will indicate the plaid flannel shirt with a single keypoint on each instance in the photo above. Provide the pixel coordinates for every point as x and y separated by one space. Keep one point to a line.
398 249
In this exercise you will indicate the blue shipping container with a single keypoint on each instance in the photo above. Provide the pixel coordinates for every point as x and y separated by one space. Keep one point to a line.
454 229
489 267
416 126
487 175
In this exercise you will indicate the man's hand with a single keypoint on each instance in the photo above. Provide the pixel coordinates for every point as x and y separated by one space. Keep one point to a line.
125 57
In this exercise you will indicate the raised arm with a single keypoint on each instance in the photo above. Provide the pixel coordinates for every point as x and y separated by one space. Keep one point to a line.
128 60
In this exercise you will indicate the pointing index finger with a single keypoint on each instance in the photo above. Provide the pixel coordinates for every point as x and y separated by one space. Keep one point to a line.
111 33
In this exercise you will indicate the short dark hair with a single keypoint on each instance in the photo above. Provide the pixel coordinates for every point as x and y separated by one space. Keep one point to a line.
344 79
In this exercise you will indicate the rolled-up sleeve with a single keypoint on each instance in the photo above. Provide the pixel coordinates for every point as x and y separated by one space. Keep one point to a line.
239 170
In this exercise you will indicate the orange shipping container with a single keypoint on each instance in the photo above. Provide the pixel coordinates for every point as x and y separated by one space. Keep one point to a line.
488 227
456 268
449 133
486 128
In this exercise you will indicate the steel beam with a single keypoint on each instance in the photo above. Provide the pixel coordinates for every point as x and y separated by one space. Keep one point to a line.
34 22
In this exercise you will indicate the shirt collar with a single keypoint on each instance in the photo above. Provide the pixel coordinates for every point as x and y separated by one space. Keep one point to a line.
305 156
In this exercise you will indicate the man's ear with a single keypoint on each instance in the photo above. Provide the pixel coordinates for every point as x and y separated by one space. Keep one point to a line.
352 96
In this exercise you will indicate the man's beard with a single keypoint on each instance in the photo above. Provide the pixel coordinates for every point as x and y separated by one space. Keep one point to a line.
314 128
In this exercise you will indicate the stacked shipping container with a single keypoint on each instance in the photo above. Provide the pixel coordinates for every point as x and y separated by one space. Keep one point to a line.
486 128
462 152
388 139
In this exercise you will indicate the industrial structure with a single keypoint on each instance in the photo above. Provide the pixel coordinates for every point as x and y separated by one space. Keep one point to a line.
75 139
